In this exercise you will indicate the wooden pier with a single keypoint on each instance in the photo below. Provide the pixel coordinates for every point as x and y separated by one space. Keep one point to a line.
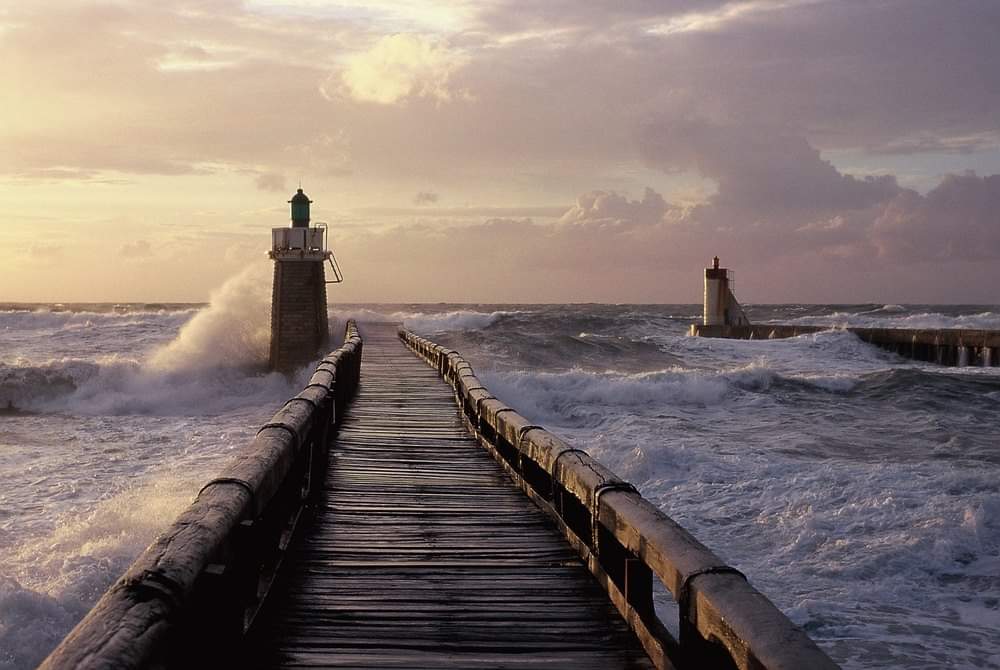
423 554
425 525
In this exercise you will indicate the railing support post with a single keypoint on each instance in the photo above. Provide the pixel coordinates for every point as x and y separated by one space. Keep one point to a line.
639 587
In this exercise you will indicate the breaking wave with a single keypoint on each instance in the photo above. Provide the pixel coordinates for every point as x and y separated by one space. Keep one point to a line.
424 323
52 580
567 397
215 363
893 316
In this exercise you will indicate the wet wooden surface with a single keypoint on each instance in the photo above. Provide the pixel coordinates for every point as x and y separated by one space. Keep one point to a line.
424 555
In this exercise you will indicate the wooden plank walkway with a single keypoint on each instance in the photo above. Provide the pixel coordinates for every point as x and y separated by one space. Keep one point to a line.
425 555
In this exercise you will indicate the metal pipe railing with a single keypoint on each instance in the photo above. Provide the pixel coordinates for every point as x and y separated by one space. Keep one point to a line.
192 594
724 622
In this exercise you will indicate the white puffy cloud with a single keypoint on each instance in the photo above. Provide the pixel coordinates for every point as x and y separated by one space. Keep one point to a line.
398 67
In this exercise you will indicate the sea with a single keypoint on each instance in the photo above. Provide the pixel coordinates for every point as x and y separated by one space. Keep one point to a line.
858 490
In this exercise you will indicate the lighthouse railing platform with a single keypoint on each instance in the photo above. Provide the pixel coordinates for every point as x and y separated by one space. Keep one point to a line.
191 595
299 243
626 541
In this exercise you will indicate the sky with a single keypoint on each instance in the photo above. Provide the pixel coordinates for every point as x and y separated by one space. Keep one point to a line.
504 150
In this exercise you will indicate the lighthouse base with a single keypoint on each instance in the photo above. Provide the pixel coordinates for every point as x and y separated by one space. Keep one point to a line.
299 324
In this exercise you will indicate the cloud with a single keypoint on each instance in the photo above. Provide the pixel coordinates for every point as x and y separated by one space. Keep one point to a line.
324 154
399 67
270 181
776 196
135 250
64 174
565 98
958 219
607 208
718 17
469 212
425 198
760 169
929 143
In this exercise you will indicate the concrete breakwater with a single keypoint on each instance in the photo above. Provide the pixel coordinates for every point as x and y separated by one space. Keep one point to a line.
954 347
627 542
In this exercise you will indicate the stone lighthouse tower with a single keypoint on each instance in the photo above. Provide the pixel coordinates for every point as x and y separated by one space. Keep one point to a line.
299 324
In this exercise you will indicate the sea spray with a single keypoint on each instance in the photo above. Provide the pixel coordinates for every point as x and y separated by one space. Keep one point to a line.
234 331
50 581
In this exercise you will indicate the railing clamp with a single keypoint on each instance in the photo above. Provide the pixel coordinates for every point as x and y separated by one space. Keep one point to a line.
521 432
291 400
157 585
232 480
600 490
684 593
283 426
555 467
524 430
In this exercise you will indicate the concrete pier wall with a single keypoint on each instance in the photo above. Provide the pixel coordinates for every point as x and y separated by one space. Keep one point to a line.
955 347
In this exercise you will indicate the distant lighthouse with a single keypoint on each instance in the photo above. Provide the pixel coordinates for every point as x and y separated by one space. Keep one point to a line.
721 307
299 322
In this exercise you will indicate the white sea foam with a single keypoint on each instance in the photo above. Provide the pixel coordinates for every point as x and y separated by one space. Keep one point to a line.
429 323
234 331
426 323
583 393
51 580
44 320
890 317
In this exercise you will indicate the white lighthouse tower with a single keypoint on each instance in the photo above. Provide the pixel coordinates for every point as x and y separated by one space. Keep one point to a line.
299 322
721 307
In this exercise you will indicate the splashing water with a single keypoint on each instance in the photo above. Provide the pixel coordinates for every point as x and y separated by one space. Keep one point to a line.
233 332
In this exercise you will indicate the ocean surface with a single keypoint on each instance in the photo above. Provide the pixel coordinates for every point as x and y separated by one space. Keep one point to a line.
860 491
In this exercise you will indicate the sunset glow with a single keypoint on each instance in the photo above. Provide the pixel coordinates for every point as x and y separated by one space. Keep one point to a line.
556 151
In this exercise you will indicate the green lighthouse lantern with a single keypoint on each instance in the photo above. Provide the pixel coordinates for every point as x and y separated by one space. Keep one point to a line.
300 209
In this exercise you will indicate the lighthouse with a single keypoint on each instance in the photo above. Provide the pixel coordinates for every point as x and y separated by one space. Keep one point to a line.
299 322
721 307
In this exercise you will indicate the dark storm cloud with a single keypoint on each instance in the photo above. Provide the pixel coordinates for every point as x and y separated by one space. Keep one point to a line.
959 219
760 169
